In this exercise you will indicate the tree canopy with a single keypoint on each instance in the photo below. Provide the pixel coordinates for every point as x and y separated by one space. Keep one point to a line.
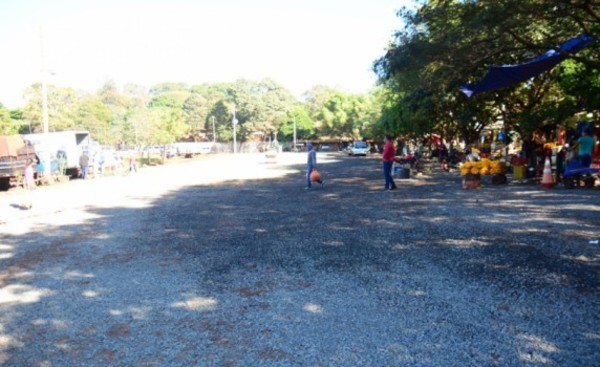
447 43
170 112
444 44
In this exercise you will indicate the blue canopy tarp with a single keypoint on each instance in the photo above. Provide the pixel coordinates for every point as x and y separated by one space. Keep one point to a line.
500 76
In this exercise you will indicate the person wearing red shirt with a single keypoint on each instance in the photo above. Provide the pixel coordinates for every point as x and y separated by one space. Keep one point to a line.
389 152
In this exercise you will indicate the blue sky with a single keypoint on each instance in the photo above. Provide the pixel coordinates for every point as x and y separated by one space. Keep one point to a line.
298 43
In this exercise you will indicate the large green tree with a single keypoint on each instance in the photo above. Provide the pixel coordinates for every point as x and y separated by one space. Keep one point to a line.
168 112
447 43
117 103
297 117
222 112
61 107
345 115
196 109
7 125
94 116
261 106
133 133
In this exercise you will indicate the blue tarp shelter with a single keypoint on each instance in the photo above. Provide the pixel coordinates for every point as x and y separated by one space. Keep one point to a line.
500 76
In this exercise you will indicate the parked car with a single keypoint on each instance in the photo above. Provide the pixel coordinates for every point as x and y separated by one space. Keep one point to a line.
358 148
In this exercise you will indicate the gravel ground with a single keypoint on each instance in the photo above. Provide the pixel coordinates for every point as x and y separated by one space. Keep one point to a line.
228 261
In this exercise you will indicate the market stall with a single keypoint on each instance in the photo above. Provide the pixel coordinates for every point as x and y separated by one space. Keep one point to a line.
492 171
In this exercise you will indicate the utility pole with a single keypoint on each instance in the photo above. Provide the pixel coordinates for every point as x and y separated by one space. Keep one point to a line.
45 102
44 83
45 156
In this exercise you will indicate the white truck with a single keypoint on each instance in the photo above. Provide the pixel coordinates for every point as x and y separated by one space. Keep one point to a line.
65 146
189 149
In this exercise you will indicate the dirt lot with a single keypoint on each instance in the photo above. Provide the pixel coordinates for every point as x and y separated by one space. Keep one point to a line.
228 261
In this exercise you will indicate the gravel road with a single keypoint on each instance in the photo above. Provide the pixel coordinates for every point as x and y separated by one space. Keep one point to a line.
228 261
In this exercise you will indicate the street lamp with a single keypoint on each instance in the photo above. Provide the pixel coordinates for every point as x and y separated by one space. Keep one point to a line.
46 155
44 102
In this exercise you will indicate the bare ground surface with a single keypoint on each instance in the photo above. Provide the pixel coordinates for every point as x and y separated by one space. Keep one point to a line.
228 261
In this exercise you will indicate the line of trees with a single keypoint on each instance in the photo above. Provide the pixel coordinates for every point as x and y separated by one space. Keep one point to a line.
170 112
448 43
444 44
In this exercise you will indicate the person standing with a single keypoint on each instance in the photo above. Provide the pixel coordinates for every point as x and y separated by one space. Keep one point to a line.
560 163
443 156
389 152
29 182
311 164
596 150
84 163
132 163
586 147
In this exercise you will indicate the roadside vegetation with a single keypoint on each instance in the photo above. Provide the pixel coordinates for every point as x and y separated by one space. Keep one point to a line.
443 45
169 112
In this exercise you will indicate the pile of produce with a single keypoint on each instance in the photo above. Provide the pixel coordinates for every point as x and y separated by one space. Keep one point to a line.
483 167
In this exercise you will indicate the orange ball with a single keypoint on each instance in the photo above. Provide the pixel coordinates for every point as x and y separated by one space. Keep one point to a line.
315 176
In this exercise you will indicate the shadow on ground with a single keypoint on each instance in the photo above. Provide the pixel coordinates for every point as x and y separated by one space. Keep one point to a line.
263 271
